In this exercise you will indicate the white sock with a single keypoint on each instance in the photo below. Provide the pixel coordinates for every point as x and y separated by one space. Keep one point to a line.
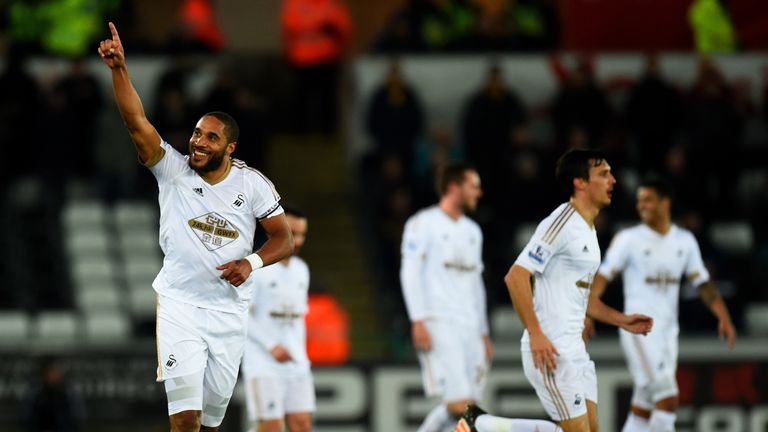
662 421
490 423
636 423
437 420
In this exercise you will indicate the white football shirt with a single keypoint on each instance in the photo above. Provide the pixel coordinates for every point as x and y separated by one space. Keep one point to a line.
441 269
277 311
563 256
653 266
205 225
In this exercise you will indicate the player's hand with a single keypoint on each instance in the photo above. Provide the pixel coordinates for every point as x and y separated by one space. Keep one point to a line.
236 272
543 352
420 336
281 354
589 331
726 331
638 324
111 50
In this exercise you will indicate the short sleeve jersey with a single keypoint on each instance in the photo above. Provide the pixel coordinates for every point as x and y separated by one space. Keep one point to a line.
653 266
277 311
563 256
205 225
447 257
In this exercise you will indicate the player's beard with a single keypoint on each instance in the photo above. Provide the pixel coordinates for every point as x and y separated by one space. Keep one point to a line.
213 163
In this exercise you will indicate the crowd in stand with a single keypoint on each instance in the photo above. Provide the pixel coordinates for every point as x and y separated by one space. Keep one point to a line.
694 135
471 25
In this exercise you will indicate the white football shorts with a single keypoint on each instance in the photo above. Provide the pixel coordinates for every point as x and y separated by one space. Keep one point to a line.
563 392
198 353
273 397
652 361
455 368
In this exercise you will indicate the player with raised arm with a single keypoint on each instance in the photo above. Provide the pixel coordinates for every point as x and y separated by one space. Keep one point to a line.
654 257
441 278
210 205
549 285
278 380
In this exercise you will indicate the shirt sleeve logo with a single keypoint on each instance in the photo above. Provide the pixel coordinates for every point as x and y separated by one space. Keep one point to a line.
213 230
538 254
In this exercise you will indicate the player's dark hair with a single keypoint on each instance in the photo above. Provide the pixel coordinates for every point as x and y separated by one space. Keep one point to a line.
575 163
661 186
294 211
231 129
454 172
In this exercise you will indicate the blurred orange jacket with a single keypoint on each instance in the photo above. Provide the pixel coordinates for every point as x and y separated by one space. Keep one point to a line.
315 32
327 331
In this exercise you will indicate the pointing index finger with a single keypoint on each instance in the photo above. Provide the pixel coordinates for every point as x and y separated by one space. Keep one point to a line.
113 29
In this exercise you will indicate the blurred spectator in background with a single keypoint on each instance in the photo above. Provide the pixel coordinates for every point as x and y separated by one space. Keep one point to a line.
394 118
653 115
327 323
316 34
712 28
520 25
233 95
52 404
491 120
580 111
198 29
174 111
471 25
713 126
433 153
446 24
76 101
689 193
20 107
429 25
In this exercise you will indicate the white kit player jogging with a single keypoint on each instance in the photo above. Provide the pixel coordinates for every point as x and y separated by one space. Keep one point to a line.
653 265
563 256
441 278
277 313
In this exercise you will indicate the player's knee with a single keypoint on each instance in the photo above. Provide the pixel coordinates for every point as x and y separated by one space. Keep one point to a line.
668 404
271 426
456 408
185 421
299 423
664 391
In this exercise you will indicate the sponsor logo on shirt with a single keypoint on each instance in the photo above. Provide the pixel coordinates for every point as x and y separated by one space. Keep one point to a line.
213 230
198 191
538 254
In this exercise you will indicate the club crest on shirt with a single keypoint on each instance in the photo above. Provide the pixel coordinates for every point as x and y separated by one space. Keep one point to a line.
170 362
213 230
538 254
239 200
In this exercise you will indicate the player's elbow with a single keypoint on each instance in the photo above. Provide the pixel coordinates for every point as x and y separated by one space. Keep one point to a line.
515 275
287 246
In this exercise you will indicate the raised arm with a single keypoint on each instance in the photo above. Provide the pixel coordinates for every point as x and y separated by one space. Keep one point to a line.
518 281
144 136
711 297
